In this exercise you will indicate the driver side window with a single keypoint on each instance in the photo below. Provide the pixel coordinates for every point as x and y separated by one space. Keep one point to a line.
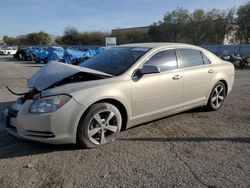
165 60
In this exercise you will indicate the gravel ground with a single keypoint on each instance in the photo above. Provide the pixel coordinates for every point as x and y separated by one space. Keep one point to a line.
191 149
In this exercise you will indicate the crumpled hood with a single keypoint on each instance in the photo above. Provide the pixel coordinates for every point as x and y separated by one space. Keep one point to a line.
54 72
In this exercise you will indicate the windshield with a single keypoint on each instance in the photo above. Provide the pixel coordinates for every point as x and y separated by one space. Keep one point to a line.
115 61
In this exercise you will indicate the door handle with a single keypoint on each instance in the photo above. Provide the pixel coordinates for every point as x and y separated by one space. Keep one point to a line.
210 71
177 77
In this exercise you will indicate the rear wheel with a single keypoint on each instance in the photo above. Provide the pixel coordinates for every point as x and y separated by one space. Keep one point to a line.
101 125
217 96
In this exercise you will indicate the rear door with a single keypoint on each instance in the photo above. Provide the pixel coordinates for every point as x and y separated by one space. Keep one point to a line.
197 76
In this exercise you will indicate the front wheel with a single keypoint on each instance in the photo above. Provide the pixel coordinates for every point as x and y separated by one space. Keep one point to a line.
101 125
217 96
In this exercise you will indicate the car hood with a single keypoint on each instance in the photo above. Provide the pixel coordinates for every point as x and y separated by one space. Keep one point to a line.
54 72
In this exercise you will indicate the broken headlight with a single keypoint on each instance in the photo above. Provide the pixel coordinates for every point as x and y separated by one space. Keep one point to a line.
49 104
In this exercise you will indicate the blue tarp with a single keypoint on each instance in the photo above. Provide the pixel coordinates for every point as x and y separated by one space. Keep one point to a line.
33 51
41 55
71 56
55 53
77 56
90 53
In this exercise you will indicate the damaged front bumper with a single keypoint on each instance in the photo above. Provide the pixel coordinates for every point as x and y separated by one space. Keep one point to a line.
57 127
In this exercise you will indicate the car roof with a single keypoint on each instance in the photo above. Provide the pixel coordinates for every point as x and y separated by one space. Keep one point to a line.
159 45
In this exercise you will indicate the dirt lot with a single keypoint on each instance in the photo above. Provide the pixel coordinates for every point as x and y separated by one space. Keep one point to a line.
191 149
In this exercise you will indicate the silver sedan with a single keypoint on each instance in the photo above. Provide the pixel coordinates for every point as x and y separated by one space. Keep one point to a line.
122 87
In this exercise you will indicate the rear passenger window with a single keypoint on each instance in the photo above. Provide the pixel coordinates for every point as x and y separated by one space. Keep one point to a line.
190 58
205 59
165 60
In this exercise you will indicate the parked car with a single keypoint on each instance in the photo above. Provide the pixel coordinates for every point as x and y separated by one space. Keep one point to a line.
55 53
41 56
75 57
8 51
122 87
21 54
32 52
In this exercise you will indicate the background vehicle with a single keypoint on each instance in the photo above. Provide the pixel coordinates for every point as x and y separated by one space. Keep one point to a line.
21 54
8 51
122 87
239 61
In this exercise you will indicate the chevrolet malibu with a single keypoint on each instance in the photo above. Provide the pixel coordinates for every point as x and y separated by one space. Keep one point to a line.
122 87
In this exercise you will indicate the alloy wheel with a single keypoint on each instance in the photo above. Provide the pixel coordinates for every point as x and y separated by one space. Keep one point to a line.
218 96
102 127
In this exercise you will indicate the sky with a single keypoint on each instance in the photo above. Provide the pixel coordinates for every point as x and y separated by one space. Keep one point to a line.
53 16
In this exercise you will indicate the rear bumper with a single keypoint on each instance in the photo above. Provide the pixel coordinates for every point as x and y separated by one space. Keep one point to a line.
55 128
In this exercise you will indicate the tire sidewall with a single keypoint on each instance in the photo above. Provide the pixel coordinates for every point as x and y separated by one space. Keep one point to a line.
210 104
83 127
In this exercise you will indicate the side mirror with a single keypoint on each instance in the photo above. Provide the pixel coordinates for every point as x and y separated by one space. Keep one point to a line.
149 69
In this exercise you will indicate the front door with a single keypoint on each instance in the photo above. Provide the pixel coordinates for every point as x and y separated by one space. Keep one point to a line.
157 93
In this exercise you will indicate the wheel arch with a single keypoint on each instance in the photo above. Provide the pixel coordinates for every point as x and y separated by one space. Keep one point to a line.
121 107
216 82
225 83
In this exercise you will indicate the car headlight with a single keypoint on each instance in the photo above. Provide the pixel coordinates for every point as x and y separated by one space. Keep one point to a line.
49 104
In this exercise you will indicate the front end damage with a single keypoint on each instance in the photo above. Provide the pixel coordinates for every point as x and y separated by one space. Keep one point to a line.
55 126
9 115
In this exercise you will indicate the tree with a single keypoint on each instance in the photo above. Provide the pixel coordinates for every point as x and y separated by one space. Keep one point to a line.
197 27
71 36
243 22
21 40
172 28
130 36
175 25
40 38
9 40
155 32
97 38
219 24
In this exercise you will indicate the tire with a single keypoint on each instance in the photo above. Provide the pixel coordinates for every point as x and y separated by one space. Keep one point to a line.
217 97
24 58
45 60
19 57
247 65
32 58
101 124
